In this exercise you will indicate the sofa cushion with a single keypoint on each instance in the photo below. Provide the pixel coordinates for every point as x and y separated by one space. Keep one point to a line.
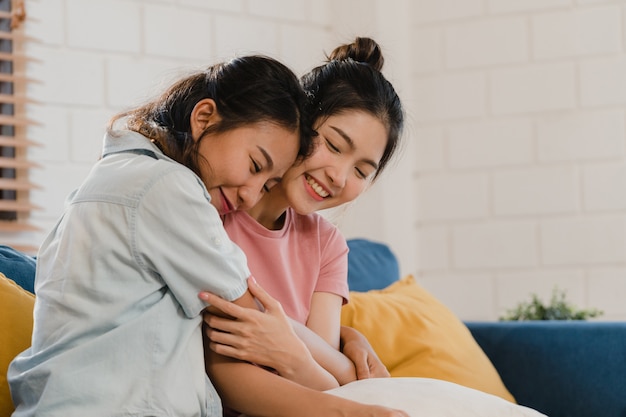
18 266
416 335
371 265
16 326
428 397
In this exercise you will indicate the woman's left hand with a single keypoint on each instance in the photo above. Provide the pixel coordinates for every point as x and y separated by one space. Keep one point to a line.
265 338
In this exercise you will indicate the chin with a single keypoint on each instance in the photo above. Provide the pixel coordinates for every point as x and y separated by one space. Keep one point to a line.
304 211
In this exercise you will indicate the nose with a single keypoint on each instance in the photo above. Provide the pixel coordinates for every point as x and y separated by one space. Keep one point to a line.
250 194
338 175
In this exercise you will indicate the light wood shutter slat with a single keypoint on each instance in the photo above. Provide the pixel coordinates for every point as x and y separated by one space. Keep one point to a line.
17 227
16 205
17 36
16 98
14 142
15 188
17 121
17 163
12 184
11 78
15 57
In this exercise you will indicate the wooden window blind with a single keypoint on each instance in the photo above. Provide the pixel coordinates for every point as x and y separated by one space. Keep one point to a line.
15 187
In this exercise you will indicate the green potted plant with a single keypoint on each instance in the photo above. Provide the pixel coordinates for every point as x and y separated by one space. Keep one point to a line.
557 309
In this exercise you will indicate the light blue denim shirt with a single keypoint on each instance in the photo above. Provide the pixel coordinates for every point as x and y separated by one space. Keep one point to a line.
117 318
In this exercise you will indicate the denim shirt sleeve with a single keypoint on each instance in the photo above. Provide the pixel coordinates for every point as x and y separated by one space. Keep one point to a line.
180 237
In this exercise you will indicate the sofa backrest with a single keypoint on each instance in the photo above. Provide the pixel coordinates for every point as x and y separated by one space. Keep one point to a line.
371 265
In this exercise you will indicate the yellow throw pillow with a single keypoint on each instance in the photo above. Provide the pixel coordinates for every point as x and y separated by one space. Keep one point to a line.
416 335
16 327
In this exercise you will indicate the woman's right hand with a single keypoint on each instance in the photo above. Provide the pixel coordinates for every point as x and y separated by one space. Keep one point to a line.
266 338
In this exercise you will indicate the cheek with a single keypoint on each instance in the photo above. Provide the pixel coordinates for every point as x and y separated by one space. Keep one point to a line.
229 171
321 157
354 189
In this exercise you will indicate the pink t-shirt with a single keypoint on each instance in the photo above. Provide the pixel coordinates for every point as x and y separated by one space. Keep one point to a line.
308 254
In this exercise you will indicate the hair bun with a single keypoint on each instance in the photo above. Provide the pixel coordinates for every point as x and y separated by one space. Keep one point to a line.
364 50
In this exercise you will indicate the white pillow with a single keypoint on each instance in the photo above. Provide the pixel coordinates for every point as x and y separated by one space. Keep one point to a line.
431 397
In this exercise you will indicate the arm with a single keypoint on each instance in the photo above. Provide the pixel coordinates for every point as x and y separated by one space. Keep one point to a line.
349 341
265 338
356 347
249 338
252 390
325 316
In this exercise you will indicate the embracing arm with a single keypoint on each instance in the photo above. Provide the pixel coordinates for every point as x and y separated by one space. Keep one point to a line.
252 390
322 336
265 338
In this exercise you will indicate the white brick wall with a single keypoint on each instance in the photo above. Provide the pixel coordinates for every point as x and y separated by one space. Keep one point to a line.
97 57
451 96
588 31
521 171
534 88
486 42
513 177
462 196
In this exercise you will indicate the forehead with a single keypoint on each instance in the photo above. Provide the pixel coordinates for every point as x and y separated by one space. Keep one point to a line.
366 132
275 144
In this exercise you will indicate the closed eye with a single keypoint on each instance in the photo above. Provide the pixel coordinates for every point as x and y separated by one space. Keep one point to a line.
270 184
256 167
332 146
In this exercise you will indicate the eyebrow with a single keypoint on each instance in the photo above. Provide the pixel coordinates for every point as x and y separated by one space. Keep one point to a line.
350 143
270 162
268 158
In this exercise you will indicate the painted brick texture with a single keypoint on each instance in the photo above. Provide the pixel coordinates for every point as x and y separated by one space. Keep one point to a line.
516 124
521 168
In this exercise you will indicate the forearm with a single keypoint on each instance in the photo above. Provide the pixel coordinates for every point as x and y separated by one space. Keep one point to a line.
252 390
329 358
306 371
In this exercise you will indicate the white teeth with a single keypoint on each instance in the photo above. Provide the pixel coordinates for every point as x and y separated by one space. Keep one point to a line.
316 187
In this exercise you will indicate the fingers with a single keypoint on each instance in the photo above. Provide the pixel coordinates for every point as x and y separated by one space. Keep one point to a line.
221 324
362 368
378 371
226 350
220 306
266 300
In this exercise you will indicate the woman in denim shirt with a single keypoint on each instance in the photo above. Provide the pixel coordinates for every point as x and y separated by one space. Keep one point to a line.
117 328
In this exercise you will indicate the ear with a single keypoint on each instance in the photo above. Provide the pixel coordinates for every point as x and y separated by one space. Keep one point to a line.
203 115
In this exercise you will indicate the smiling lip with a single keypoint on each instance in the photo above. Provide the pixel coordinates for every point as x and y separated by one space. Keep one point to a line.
227 207
309 188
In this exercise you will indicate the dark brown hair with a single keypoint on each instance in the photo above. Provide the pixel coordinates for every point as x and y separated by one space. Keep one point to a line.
246 90
351 79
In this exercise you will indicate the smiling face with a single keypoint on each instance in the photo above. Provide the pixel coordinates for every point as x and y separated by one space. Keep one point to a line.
345 159
243 163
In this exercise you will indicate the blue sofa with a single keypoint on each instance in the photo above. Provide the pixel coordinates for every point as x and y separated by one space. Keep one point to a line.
563 369
560 368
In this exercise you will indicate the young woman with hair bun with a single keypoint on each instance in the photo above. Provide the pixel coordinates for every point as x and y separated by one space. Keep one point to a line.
299 259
